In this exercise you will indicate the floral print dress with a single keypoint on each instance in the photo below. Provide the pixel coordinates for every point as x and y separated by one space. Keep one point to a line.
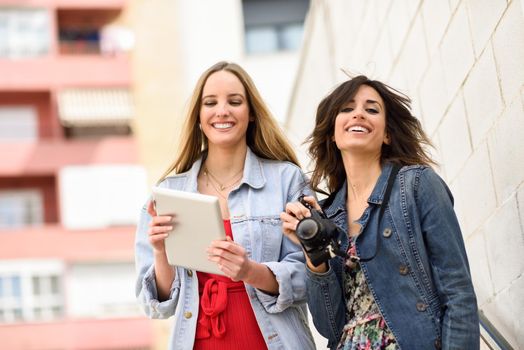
366 329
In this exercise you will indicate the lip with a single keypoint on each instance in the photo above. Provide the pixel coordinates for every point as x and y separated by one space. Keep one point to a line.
367 128
222 126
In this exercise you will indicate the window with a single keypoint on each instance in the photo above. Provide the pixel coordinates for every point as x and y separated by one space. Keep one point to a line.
20 208
112 191
31 292
273 25
24 32
18 123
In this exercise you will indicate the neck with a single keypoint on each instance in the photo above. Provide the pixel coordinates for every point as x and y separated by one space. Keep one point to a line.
362 174
224 163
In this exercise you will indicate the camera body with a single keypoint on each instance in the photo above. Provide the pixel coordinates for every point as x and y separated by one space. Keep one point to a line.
318 236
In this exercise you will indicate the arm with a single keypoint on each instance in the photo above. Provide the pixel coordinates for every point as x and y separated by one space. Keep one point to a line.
324 291
289 271
449 263
157 287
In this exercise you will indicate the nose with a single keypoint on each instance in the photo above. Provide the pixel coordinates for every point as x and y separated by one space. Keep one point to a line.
222 110
358 113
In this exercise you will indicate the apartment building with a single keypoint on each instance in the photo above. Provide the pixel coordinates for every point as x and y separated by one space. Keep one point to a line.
70 181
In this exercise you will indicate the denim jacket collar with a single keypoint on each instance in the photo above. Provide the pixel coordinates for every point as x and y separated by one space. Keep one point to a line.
253 173
376 197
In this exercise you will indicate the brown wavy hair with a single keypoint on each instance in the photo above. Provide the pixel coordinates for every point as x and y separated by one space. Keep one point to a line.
264 136
407 138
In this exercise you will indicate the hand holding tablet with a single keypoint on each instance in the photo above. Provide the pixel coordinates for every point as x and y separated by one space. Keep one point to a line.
199 222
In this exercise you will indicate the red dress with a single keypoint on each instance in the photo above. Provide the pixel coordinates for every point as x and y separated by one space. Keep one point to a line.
225 319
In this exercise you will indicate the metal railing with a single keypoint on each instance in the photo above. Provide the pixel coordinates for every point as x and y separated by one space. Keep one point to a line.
490 336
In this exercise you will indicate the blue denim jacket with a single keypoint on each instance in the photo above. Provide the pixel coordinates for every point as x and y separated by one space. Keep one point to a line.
420 276
255 207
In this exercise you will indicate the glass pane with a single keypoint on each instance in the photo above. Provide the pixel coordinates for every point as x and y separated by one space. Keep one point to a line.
1 287
36 285
20 208
15 287
55 285
17 314
261 39
290 36
56 311
38 313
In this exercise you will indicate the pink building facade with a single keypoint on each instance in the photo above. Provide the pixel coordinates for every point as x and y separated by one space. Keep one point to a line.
70 182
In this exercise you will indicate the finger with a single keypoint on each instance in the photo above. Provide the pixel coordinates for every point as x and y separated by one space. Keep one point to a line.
312 201
151 208
159 229
161 220
297 210
228 246
287 218
158 237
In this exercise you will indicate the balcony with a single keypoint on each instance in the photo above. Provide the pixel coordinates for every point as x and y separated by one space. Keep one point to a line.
56 242
47 157
54 72
93 334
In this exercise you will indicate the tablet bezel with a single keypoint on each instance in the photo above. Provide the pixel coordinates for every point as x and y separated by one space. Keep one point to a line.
199 221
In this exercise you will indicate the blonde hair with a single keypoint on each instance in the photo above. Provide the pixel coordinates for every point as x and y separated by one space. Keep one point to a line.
264 136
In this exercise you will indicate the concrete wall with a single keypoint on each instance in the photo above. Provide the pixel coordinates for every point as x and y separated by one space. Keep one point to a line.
462 63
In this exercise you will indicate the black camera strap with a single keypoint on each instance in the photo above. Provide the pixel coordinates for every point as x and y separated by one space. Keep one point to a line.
391 180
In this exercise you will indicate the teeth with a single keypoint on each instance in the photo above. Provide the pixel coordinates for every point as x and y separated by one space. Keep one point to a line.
222 125
358 128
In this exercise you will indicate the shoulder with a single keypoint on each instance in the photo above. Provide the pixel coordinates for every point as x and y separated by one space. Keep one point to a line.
280 168
174 181
425 182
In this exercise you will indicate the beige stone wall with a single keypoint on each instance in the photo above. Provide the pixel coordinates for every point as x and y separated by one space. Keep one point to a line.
462 63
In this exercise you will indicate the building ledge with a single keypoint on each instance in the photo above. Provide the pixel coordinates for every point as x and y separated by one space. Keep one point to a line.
93 334
46 157
57 242
55 72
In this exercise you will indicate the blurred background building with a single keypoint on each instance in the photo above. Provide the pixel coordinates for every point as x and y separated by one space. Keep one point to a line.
70 180
93 96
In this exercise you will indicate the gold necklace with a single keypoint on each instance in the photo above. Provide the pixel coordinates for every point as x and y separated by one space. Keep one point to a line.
221 186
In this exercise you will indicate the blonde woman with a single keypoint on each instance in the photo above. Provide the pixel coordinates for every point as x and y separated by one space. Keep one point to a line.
233 149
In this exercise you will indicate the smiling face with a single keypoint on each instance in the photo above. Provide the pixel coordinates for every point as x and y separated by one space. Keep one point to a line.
224 110
360 125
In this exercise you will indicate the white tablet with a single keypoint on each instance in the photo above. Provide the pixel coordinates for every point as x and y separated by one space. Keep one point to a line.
199 222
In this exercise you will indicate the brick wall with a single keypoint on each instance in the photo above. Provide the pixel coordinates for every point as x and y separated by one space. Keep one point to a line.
462 63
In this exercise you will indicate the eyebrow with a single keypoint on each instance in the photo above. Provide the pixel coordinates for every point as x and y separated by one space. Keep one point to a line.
368 101
230 95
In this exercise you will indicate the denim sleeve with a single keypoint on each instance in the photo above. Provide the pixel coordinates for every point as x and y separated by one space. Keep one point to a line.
145 287
449 263
290 270
326 304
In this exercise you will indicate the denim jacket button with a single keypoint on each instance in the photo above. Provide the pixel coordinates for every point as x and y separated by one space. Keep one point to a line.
190 273
438 344
421 306
403 269
387 232
188 314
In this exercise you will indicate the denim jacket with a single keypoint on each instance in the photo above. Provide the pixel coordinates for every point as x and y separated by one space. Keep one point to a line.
420 276
255 207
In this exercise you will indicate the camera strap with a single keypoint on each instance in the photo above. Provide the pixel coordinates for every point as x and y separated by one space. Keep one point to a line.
391 180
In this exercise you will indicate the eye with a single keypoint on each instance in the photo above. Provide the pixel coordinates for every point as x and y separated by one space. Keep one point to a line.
235 102
346 110
209 103
372 111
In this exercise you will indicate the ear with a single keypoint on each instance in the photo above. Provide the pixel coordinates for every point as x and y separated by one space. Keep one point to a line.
387 140
251 118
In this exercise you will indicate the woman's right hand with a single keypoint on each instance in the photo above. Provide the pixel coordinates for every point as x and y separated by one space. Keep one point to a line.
296 211
159 226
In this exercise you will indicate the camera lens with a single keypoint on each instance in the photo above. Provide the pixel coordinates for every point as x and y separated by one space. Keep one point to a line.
307 229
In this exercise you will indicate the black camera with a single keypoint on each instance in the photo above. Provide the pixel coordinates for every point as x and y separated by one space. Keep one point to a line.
318 236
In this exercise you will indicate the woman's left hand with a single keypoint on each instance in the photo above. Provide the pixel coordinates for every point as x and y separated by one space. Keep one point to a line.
231 259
